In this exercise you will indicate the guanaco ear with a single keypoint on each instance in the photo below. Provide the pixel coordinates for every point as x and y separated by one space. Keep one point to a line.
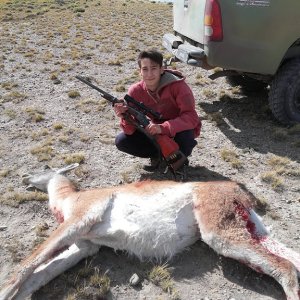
40 181
66 168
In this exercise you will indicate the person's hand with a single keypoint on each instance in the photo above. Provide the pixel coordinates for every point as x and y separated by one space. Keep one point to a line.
153 129
120 109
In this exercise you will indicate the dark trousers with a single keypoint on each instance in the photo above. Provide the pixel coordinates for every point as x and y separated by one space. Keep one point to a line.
138 144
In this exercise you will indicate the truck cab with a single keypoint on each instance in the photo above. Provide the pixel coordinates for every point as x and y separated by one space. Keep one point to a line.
255 42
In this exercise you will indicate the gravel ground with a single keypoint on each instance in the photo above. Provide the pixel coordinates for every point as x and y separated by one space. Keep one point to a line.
49 117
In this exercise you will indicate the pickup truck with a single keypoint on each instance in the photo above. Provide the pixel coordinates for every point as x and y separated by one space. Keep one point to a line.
256 43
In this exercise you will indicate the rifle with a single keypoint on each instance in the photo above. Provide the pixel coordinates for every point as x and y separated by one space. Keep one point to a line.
137 114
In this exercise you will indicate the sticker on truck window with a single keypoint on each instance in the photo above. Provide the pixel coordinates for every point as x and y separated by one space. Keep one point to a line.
253 2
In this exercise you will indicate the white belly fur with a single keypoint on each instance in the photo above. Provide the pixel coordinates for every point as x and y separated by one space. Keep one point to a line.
150 226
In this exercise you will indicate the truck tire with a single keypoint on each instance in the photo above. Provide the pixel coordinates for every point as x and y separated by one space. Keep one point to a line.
284 95
247 84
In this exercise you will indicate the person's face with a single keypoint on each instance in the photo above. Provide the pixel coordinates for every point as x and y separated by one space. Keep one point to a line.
150 72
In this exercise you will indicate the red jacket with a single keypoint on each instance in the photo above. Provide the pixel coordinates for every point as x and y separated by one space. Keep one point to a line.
173 99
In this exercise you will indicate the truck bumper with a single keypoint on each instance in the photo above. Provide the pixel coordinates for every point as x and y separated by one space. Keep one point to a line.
183 51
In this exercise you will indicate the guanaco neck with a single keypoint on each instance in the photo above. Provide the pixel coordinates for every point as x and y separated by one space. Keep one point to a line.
60 188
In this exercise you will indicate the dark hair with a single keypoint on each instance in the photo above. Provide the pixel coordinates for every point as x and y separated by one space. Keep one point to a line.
153 55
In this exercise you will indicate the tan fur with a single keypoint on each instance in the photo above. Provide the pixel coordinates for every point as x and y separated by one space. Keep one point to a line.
117 216
218 214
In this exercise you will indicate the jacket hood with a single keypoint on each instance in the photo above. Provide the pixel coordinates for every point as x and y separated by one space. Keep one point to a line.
168 77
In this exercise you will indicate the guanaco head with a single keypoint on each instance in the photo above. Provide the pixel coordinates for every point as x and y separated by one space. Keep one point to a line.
40 181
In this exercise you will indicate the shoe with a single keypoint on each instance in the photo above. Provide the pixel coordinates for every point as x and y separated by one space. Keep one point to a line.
181 173
154 164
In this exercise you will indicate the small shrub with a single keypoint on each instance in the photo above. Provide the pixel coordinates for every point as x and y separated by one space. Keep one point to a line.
74 158
273 179
8 85
73 94
43 152
54 76
231 157
15 198
262 204
36 114
58 126
115 62
278 161
86 271
64 139
4 172
201 80
216 117
39 134
79 10
10 113
120 88
161 276
101 282
14 96
14 248
209 93
224 96
41 229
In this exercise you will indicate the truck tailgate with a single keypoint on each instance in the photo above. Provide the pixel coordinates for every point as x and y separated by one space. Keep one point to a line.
189 18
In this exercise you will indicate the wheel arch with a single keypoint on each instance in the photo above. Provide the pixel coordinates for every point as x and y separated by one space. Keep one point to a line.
292 52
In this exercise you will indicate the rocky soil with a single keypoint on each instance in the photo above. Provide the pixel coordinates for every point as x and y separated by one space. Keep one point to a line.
47 117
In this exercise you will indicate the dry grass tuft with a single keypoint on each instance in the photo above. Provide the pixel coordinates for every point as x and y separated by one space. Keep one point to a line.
278 161
161 276
41 230
120 88
14 96
209 93
74 158
35 114
58 126
4 172
216 117
273 179
224 96
14 248
73 94
14 199
201 80
93 284
8 85
127 174
44 152
232 157
40 134
101 282
283 166
262 204
12 114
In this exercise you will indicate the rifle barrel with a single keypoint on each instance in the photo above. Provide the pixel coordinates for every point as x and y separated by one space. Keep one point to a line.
104 94
139 105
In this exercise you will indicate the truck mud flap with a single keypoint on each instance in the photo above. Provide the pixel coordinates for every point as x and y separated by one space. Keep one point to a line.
185 52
